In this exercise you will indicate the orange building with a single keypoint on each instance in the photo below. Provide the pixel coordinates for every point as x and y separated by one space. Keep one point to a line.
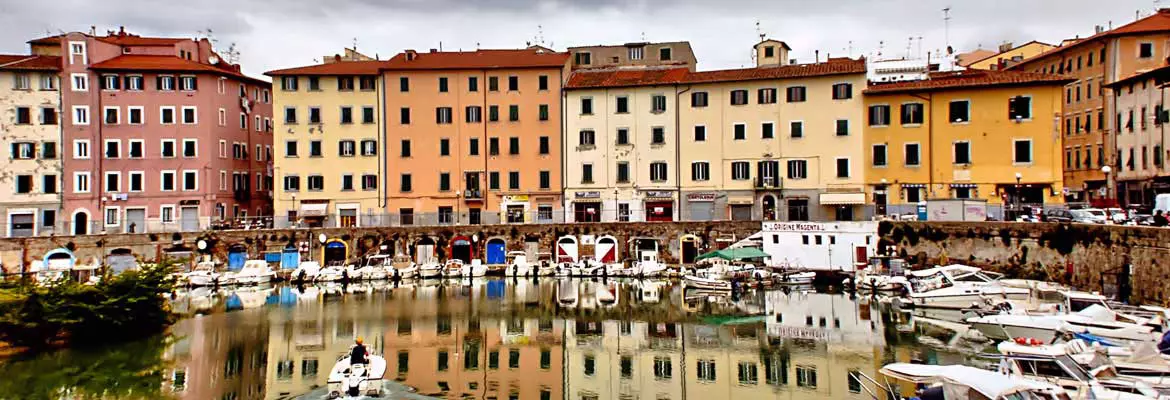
473 137
1090 121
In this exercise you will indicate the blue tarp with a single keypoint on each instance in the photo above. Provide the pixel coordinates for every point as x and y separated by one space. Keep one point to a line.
495 289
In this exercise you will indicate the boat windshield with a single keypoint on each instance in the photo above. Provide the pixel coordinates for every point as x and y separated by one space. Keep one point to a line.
928 283
1075 304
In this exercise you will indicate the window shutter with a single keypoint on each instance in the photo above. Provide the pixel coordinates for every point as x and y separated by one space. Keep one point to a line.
195 83
158 83
14 151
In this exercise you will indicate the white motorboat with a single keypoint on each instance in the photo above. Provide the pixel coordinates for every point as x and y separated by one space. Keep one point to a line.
1095 319
353 380
204 274
883 274
332 273
374 268
698 282
958 286
648 265
306 271
476 269
431 269
567 292
798 278
607 294
402 267
962 382
254 272
1063 371
518 264
1143 362
566 269
453 268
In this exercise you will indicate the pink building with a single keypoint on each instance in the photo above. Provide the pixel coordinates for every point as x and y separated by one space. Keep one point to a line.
158 134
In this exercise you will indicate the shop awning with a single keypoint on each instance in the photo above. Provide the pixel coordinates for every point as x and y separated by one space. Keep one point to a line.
314 209
740 200
742 253
842 199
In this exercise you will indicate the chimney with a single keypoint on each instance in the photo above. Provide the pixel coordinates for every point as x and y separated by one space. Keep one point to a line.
1005 46
434 51
411 55
816 56
337 57
121 31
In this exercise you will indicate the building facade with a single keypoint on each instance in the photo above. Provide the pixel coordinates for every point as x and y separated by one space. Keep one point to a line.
1141 169
159 134
330 115
990 135
29 122
473 137
634 55
1090 123
1009 55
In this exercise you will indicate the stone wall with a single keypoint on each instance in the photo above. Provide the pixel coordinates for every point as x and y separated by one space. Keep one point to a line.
19 252
1089 257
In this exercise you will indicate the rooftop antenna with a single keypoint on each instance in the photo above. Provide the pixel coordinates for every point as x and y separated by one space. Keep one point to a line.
760 32
920 46
643 36
881 46
355 45
232 54
909 48
477 45
947 25
850 49
540 34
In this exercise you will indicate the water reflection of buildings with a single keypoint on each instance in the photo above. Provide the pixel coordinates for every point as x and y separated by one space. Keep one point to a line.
220 356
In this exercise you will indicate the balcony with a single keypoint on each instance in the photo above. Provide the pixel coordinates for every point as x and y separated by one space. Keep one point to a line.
768 182
472 195
242 195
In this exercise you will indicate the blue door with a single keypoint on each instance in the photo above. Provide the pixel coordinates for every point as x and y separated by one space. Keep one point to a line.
236 260
495 252
290 258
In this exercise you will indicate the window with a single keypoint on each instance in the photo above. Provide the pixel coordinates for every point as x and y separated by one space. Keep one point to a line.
49 184
879 155
513 113
544 145
403 84
513 83
740 170
24 150
797 169
443 115
740 131
405 150
81 182
81 149
543 111
912 155
80 115
49 82
369 182
288 84
473 147
623 136
664 54
167 181
657 135
796 129
514 180
405 183
700 171
292 183
48 116
842 167
442 84
166 115
190 147
842 127
658 103
188 83
346 115
796 94
136 181
700 133
190 181
23 82
347 182
113 148
1145 50
494 180
190 115
658 171
80 82
315 183
1022 151
49 151
806 376
165 82
662 368
623 172
586 106
960 111
365 83
1020 107
582 58
290 148
623 104
24 115
493 146
699 99
748 373
542 82
739 97
586 138
766 96
842 91
315 148
879 115
493 113
346 148
513 145
545 179
24 183
962 152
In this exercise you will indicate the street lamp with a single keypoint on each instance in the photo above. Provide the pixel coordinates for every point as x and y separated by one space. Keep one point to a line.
1017 207
1108 182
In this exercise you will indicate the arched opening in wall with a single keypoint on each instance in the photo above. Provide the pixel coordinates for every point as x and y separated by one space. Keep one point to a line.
237 255
335 252
768 202
424 251
462 249
640 245
689 249
606 250
497 250
566 249
80 223
290 257
120 260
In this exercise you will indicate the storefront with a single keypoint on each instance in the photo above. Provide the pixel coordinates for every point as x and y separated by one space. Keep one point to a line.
700 206
587 206
739 207
515 209
843 204
659 205
313 213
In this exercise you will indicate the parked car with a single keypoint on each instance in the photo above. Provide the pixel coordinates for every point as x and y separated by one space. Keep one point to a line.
1098 215
1082 216
1117 215
1056 215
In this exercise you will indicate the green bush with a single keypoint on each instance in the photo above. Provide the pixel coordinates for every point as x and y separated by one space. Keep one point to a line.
119 308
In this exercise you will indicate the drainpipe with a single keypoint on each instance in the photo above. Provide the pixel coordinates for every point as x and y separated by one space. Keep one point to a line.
927 113
677 148
483 190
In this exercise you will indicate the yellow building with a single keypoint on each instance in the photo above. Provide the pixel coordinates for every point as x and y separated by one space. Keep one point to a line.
1008 55
328 119
29 106
970 134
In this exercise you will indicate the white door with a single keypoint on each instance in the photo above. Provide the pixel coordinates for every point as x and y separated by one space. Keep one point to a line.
135 220
189 218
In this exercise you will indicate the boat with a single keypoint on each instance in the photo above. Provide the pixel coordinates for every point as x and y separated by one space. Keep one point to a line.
567 269
958 286
545 265
567 292
355 380
698 282
1063 371
963 382
883 274
254 272
476 269
453 268
402 267
374 268
798 278
332 273
306 271
1142 362
518 264
431 269
203 275
648 265
1095 319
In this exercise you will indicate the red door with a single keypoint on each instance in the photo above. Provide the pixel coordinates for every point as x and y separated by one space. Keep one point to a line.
860 257
659 211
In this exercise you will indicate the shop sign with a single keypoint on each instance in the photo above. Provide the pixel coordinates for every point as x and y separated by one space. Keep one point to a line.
658 194
588 195
793 226
707 196
521 198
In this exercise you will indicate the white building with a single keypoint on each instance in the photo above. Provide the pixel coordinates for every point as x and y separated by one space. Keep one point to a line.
817 246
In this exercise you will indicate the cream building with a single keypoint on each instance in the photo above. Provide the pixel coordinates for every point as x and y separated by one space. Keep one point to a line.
621 145
30 124
1140 171
327 143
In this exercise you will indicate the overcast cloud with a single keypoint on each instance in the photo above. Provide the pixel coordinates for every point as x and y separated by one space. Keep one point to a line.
272 34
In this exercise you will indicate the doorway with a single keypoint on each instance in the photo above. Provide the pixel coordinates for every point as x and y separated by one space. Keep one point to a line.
496 249
81 223
135 220
690 249
659 211
189 218
461 249
769 205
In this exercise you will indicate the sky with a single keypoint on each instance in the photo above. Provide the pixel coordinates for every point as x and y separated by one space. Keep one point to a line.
272 34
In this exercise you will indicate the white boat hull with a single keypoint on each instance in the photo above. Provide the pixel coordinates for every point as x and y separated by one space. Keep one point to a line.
705 283
360 380
430 273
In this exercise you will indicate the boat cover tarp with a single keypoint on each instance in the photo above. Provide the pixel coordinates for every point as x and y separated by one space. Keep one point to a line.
742 253
989 383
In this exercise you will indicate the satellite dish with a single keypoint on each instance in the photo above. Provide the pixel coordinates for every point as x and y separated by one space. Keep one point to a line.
322 238
213 59
201 244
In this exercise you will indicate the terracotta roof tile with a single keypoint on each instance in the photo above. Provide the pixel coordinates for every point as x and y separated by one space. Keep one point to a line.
1159 22
967 79
138 62
55 39
479 59
134 40
595 78
334 68
30 63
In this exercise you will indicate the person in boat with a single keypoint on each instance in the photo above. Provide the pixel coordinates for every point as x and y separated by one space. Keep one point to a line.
358 354
1164 343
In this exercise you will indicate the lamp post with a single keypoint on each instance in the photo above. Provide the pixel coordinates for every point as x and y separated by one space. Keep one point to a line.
1017 206
1108 182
